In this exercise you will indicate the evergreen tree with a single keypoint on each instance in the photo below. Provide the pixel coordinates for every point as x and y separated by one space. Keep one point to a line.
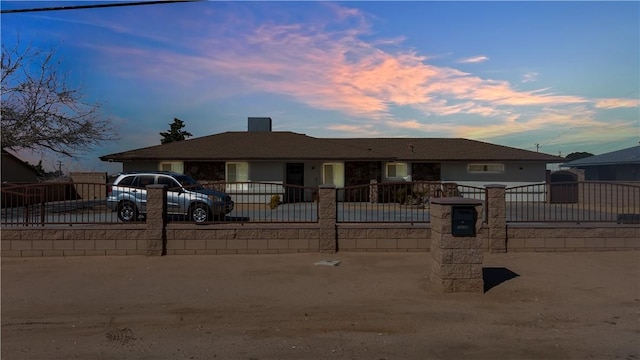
578 155
175 133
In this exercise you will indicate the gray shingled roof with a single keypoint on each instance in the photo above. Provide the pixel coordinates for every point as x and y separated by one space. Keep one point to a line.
625 156
293 146
446 149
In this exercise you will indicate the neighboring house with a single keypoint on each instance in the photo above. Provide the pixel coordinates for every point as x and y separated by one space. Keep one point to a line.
15 170
262 155
621 165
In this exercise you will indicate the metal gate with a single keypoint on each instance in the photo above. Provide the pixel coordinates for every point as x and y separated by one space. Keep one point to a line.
564 187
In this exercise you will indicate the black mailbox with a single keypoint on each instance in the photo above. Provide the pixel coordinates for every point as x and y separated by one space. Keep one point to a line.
463 221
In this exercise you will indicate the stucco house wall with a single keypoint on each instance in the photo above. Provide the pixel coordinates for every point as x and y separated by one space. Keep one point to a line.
515 174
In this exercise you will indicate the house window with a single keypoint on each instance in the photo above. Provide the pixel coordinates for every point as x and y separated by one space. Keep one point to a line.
175 166
237 172
485 168
333 174
396 170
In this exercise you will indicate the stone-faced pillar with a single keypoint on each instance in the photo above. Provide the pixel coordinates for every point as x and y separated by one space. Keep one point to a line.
456 261
497 218
327 218
156 219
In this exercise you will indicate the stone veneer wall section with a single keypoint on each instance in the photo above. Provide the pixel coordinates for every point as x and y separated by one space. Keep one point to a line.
187 239
75 241
384 237
583 237
131 239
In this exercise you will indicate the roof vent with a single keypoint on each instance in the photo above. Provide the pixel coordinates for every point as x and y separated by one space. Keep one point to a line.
259 124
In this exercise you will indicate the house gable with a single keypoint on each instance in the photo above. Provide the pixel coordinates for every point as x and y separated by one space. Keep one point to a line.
15 170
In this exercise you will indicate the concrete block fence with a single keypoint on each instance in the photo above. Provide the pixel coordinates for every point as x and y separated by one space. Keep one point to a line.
157 237
570 237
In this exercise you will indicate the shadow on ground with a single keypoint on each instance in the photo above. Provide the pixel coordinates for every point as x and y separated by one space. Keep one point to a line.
494 276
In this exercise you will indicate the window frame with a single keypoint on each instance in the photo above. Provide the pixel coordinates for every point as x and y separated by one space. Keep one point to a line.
238 176
396 165
337 173
175 166
486 168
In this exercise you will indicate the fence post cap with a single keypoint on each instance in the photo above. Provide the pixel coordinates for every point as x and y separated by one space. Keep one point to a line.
455 201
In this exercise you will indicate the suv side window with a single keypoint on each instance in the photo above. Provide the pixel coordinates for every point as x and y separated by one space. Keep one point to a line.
126 181
165 180
143 180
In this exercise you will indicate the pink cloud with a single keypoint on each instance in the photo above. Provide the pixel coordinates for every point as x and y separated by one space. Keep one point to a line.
616 103
338 70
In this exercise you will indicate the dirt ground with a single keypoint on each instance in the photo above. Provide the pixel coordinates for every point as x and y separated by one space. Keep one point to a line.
371 306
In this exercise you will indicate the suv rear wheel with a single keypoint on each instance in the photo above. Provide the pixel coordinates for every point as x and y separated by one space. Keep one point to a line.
127 211
199 213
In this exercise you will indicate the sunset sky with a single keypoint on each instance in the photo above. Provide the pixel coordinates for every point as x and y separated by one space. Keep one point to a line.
564 75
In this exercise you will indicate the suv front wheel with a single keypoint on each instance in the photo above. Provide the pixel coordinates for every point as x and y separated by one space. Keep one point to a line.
127 211
199 213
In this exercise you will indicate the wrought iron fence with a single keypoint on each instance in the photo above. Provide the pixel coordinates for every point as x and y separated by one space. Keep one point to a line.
89 203
62 203
261 202
588 201
405 202
400 202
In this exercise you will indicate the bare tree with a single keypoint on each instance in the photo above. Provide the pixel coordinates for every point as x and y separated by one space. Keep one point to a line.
40 111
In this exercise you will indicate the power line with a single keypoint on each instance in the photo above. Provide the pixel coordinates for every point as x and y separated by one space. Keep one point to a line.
76 7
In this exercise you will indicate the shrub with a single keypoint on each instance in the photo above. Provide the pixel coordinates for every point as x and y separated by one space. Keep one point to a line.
275 201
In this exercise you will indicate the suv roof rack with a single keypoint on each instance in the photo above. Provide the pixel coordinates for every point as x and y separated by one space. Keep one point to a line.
160 172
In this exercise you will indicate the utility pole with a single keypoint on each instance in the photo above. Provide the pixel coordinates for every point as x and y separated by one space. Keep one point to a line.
537 147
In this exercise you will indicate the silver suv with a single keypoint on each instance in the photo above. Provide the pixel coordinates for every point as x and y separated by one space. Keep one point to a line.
128 196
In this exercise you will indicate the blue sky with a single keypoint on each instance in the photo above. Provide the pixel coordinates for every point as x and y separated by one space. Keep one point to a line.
564 75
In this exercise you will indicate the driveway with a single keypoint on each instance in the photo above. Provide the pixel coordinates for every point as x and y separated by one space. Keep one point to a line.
371 306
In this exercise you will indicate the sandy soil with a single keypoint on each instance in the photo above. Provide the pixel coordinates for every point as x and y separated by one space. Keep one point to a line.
371 306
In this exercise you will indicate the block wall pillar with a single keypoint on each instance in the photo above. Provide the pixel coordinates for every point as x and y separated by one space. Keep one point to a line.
456 261
156 232
497 218
327 218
